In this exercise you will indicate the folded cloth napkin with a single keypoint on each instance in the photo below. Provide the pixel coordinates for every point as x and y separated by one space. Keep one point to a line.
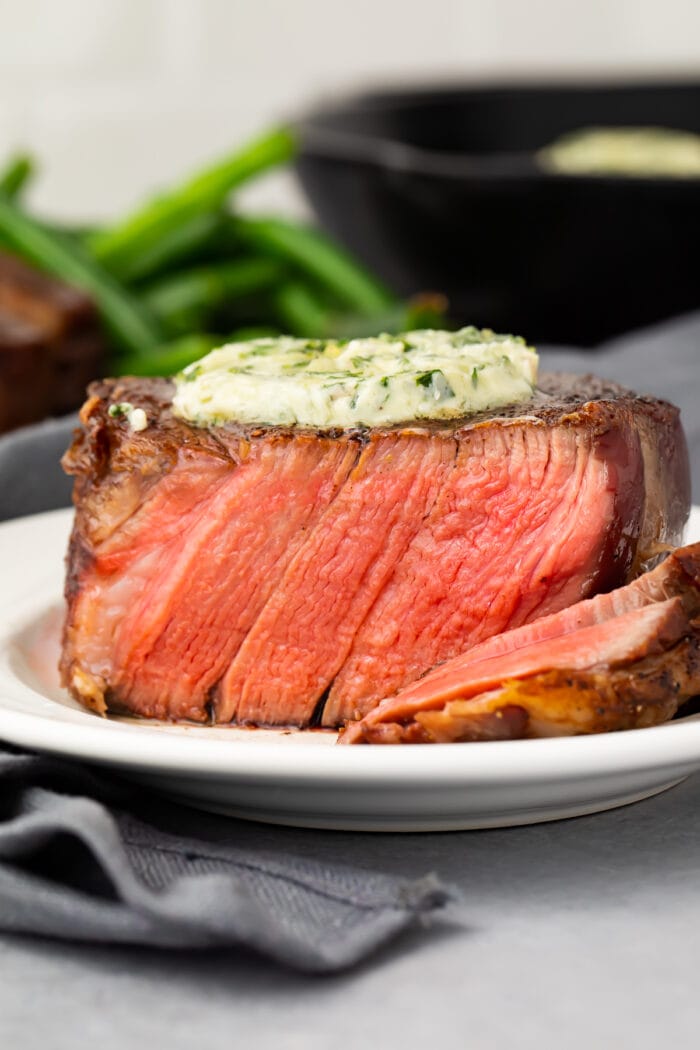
75 863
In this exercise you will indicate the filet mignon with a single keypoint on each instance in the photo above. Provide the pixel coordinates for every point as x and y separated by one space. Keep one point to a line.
287 577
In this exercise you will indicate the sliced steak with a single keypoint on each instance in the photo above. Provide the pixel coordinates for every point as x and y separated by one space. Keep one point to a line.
303 635
636 695
555 666
187 593
280 576
678 576
510 488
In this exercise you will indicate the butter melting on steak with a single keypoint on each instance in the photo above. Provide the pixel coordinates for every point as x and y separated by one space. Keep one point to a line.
274 576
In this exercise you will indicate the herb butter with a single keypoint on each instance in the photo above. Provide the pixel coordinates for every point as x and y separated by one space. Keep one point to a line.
389 379
644 152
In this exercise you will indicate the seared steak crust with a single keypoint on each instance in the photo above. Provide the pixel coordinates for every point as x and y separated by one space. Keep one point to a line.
271 575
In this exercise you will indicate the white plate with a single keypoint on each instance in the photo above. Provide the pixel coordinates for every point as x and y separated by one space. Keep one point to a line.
300 778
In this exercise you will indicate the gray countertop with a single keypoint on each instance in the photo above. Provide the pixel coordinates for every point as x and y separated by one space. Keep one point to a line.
576 934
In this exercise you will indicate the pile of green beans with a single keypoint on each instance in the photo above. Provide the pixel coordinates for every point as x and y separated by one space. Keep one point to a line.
186 272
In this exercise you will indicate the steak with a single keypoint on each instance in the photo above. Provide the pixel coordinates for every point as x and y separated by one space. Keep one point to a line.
616 661
282 576
51 344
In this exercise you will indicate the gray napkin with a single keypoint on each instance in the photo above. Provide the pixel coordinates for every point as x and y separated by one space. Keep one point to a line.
76 863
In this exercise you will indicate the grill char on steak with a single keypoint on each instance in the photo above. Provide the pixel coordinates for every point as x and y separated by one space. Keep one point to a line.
279 576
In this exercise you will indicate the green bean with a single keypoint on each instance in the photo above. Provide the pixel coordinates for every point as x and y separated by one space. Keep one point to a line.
131 327
316 255
300 310
16 174
183 301
80 233
118 248
427 310
178 245
171 357
253 331
303 312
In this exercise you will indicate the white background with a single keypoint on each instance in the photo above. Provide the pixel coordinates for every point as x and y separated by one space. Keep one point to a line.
120 96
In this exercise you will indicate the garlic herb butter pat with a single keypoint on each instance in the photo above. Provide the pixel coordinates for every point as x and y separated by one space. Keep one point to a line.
137 419
388 379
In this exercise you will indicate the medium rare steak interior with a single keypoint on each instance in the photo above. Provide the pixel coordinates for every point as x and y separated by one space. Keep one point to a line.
285 576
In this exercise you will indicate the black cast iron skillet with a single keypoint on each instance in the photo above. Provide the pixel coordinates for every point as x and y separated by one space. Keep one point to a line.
438 189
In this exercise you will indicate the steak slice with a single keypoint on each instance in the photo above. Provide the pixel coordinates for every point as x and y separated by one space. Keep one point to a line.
283 576
303 635
510 489
541 680
185 594
636 695
678 576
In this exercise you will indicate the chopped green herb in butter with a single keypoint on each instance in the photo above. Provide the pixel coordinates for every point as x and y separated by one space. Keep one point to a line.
120 409
364 382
